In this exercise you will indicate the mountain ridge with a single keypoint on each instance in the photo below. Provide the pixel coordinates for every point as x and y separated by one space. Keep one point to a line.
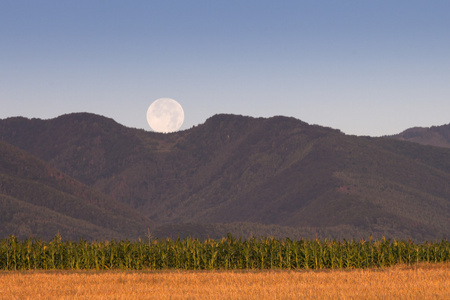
237 172
438 136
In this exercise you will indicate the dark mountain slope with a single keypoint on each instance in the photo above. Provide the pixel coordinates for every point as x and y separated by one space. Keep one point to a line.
235 172
236 158
28 220
47 196
125 163
332 180
90 146
438 136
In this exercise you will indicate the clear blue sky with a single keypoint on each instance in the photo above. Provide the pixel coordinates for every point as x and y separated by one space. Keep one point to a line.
364 67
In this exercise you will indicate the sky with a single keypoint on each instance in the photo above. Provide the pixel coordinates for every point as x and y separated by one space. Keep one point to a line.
364 67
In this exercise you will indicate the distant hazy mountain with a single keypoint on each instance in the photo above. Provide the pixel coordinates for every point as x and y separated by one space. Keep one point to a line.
277 176
438 136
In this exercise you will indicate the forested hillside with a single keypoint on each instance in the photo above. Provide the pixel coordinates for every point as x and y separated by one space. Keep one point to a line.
263 176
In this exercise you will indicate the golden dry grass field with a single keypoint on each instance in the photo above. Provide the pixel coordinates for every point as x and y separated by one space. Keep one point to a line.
424 281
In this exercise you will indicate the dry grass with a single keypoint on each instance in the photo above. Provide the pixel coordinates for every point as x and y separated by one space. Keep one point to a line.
424 281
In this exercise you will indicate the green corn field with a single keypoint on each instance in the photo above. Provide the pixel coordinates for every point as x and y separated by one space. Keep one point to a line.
226 254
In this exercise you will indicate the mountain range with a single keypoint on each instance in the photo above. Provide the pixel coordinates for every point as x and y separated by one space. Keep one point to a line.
85 175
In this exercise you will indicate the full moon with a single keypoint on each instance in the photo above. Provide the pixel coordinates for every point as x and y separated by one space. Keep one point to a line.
165 115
